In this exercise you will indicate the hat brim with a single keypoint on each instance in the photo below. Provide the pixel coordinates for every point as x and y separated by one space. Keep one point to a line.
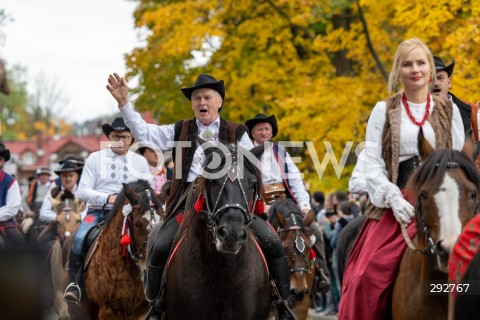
217 86
252 122
5 154
107 129
448 69
78 170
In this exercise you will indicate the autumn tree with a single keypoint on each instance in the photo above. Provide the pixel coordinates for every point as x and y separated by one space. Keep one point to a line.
318 65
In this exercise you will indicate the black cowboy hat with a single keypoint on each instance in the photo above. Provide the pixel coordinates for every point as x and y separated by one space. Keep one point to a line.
205 81
4 152
440 66
79 162
69 166
117 125
261 118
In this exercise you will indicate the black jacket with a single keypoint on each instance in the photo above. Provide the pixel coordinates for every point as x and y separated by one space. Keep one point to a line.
465 112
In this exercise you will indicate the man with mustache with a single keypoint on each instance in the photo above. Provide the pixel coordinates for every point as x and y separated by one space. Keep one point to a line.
441 88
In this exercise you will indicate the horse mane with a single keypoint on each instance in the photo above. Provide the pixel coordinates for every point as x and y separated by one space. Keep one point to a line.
137 186
437 164
286 208
67 194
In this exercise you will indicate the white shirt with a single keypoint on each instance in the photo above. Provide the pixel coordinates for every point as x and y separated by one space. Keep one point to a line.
13 202
163 136
105 171
380 189
46 211
357 182
272 173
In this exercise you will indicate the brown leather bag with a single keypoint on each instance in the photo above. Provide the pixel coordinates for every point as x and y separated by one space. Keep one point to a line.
274 191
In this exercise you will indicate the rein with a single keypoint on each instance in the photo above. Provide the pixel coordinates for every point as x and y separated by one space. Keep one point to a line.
299 244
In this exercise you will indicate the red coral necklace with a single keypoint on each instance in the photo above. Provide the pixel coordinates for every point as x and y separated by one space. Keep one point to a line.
410 115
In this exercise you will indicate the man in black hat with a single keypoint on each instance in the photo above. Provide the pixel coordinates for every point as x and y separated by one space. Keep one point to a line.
207 96
69 174
282 179
10 201
441 88
101 181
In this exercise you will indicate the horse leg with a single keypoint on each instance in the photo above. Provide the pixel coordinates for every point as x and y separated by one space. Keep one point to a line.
57 281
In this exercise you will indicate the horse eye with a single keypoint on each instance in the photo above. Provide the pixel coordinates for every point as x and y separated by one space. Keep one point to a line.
473 195
424 194
138 224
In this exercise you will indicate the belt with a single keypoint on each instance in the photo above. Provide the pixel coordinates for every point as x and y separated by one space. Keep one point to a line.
405 170
10 223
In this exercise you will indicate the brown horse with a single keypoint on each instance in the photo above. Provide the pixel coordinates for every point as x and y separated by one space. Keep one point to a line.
113 277
446 188
68 209
217 271
286 217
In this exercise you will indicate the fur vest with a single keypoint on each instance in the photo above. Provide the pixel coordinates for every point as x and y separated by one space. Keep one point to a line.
440 119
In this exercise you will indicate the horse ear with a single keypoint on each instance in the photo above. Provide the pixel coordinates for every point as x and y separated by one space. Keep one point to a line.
309 218
425 149
280 218
54 202
164 192
258 151
131 195
469 146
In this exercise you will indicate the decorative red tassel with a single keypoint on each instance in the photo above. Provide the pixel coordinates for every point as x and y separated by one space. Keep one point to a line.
312 254
125 241
200 204
259 206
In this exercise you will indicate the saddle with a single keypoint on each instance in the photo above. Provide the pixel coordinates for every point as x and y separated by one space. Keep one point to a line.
90 243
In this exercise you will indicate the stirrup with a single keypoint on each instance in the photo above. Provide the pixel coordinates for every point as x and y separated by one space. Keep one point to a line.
70 296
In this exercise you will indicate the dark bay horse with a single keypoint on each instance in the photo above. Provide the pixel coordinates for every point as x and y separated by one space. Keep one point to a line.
445 188
113 278
287 218
217 271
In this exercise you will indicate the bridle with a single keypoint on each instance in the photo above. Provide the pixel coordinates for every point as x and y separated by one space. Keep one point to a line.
232 176
431 247
134 252
300 246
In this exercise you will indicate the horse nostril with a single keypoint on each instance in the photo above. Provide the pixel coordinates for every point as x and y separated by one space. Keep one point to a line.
222 233
243 235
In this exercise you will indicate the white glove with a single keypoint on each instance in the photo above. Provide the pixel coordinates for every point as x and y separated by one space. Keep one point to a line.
402 209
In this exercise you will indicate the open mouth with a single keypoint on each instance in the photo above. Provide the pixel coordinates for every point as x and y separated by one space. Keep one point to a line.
436 90
203 110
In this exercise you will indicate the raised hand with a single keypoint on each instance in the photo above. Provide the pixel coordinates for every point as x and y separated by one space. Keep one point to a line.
118 88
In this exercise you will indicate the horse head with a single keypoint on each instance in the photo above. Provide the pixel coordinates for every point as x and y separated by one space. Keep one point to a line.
229 194
292 229
447 186
142 210
68 209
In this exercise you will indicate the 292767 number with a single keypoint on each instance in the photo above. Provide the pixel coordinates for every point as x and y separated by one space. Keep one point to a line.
446 288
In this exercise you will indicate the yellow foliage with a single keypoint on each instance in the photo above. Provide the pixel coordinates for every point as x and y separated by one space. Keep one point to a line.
306 61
